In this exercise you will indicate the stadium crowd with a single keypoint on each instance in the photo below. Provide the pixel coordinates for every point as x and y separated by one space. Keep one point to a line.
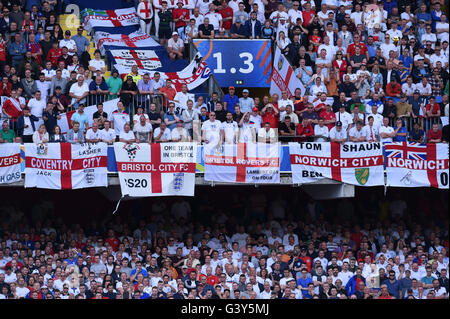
264 244
364 81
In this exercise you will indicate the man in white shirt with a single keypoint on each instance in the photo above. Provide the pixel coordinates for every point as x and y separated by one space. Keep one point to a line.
175 45
387 132
126 135
183 96
357 134
409 87
438 55
68 43
229 130
424 87
344 117
394 33
428 36
214 18
107 135
266 134
162 133
377 117
119 118
93 135
370 130
338 134
211 130
387 46
197 15
321 132
37 105
328 47
295 13
97 65
255 119
43 86
78 92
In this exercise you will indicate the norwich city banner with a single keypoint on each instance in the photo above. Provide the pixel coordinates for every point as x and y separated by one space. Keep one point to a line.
253 163
416 165
65 165
109 18
358 164
159 169
10 163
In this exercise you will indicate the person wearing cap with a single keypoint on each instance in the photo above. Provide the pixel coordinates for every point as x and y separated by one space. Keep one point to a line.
246 103
230 100
175 47
180 16
238 30
82 43
68 43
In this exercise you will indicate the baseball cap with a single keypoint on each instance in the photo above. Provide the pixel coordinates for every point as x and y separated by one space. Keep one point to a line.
403 95
416 92
184 267
129 77
255 109
35 271
231 87
338 123
67 32
174 33
80 28
245 91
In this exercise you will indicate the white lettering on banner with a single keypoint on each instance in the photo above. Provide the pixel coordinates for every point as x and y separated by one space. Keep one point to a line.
51 164
417 164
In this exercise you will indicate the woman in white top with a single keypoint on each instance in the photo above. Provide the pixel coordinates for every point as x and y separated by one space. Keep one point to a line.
282 41
41 135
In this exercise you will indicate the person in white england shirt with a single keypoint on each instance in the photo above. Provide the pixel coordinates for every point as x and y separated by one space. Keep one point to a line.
321 132
107 135
387 132
229 130
93 135
126 135
370 130
180 134
357 134
162 134
266 134
143 130
211 130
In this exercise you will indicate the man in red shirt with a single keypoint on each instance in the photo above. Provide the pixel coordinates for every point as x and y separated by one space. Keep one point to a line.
393 88
180 16
351 50
275 98
271 115
328 116
434 135
112 240
54 53
307 15
168 91
305 258
432 108
305 131
227 16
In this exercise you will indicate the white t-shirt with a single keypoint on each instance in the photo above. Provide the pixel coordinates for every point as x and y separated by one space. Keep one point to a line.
43 87
386 129
212 130
214 19
37 107
137 118
78 90
97 64
176 135
345 118
262 136
119 120
182 99
334 134
107 135
385 48
256 120
429 37
69 44
408 90
176 45
230 130
127 136
442 36
355 133
91 135
394 34
371 133
356 16
322 132
166 136
423 89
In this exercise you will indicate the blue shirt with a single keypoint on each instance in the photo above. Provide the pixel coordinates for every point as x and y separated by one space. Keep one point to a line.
170 117
416 135
407 61
81 42
424 16
80 118
371 49
393 288
143 272
400 138
231 102
304 283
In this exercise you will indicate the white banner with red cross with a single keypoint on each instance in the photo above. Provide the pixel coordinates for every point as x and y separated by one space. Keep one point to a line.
137 39
159 169
358 164
254 163
416 165
9 163
146 60
65 165
109 18
283 77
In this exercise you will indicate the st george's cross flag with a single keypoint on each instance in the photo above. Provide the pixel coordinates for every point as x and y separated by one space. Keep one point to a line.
10 163
159 169
65 165
410 164
283 77
358 164
254 163
137 39
109 18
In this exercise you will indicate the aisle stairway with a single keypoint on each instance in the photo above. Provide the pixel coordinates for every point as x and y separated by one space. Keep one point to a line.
72 22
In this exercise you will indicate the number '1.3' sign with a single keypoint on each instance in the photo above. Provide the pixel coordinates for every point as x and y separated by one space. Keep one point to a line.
240 63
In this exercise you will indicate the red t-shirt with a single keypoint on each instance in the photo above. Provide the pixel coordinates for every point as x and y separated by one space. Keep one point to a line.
272 118
53 55
328 116
307 16
226 13
307 261
435 109
434 135
307 130
358 280
356 237
212 280
2 52
114 242
170 92
351 48
177 13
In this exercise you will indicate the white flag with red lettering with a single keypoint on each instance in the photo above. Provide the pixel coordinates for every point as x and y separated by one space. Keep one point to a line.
283 77
65 165
358 164
9 163
253 163
159 169
416 165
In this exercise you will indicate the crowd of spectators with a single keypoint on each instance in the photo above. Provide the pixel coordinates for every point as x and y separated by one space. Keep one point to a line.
264 244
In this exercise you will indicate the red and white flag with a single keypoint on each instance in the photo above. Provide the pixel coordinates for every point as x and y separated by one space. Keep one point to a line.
254 163
283 77
137 39
416 165
10 163
65 165
358 164
109 18
159 169
64 121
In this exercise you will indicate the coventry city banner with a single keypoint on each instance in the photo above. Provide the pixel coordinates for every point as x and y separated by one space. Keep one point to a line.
283 76
10 163
159 169
65 165
109 18
416 165
136 39
240 63
358 164
254 163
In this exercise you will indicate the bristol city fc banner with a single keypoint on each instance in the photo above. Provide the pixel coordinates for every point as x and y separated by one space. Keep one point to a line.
416 165
137 39
358 164
65 165
159 169
109 18
254 163
283 76
9 163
